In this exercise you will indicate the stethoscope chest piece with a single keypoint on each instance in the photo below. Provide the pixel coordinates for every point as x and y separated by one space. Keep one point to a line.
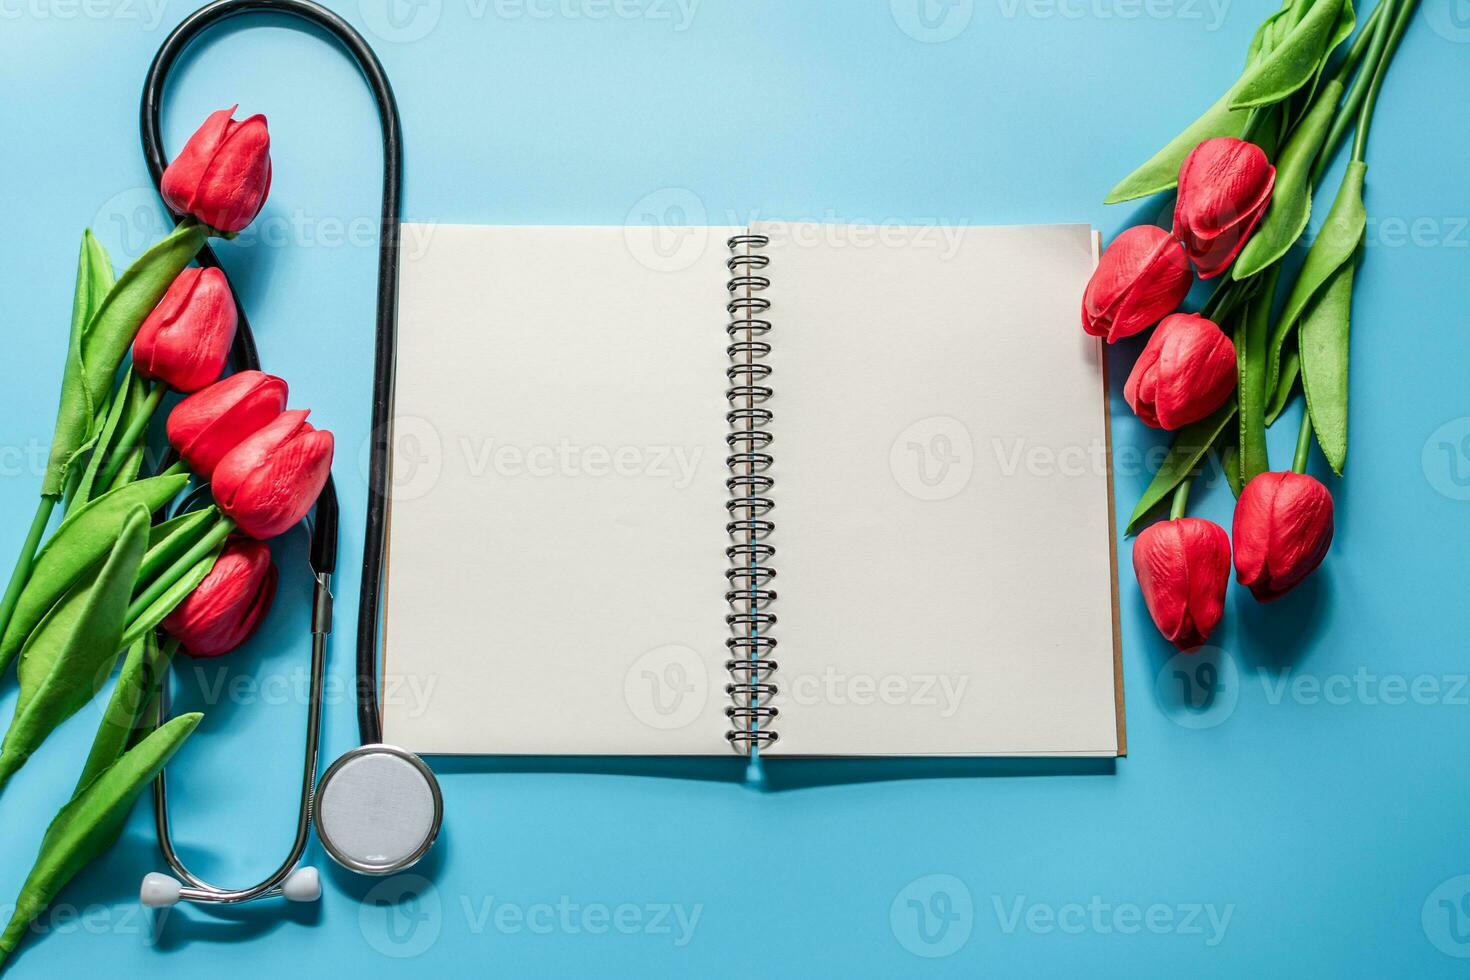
378 810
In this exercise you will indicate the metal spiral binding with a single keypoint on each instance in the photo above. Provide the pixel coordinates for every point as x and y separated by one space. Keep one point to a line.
749 576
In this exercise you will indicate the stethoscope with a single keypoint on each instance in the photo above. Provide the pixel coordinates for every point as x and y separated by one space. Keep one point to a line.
377 809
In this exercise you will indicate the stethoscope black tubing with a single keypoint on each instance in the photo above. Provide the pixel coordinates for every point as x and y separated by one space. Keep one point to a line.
244 356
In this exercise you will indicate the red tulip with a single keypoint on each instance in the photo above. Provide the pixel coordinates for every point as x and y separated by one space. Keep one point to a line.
1186 371
1224 187
225 608
1183 567
209 423
1283 528
1142 276
185 341
270 480
223 173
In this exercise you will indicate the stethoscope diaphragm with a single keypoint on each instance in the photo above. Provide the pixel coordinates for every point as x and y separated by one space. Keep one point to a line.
378 809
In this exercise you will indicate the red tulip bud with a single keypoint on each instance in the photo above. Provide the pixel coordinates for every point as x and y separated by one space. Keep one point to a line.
270 480
209 423
1186 371
1283 528
1183 567
185 341
1224 187
1142 276
223 173
225 608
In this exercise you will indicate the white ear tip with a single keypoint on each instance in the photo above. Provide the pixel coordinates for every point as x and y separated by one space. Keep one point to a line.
159 890
302 885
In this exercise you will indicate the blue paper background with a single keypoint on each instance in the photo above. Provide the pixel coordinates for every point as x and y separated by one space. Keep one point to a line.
1329 824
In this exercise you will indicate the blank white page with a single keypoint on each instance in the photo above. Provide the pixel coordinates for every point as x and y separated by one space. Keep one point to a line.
557 526
942 494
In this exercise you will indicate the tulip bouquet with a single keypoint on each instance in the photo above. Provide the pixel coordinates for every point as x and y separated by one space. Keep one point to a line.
138 563
1244 174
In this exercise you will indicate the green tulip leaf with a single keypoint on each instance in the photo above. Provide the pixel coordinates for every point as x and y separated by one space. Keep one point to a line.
118 416
1336 244
1263 41
1250 350
1297 58
1324 364
78 545
1161 172
75 413
1291 200
1285 386
139 409
65 658
130 469
1190 445
124 721
124 708
1230 466
1346 21
101 344
91 823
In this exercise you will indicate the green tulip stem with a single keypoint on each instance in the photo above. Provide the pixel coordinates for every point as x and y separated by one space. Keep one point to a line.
1181 498
1303 443
22 573
124 448
1347 113
1359 47
73 480
176 571
175 469
1385 55
1218 300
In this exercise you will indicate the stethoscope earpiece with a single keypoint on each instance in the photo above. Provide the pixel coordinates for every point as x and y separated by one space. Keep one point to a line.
161 891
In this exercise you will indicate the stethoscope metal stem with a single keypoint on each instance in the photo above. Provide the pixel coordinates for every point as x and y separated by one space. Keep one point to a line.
196 888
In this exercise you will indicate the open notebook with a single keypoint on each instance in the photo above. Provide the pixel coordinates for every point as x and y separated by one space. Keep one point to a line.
823 490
